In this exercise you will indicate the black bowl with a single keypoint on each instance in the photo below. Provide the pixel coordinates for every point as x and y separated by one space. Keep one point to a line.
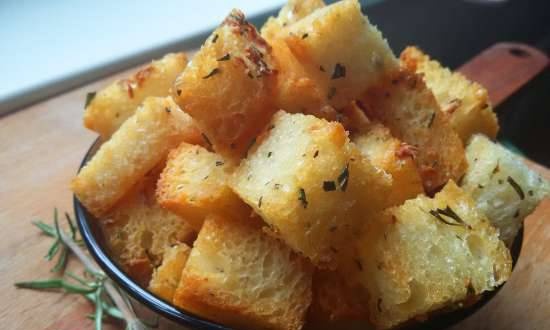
92 236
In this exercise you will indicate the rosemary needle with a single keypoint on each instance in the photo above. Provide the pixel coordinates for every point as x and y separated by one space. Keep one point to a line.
98 289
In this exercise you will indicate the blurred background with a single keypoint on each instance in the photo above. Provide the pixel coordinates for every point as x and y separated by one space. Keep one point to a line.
52 46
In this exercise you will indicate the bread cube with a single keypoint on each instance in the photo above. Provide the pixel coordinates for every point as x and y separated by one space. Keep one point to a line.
227 88
502 185
466 102
239 276
112 105
429 254
194 183
167 276
141 143
393 157
138 232
408 108
342 53
293 11
310 185
336 298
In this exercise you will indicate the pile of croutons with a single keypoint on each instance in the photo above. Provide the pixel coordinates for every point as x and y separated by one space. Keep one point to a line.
302 175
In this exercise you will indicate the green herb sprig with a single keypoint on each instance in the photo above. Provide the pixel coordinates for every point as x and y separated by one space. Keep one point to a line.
95 286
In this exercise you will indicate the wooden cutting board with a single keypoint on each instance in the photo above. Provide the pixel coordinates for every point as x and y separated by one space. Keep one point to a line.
41 147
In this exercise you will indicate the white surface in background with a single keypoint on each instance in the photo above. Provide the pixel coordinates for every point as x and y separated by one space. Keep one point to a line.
42 41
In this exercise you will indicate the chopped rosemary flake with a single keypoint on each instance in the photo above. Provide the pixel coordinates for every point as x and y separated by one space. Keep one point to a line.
226 57
359 264
215 71
436 215
206 139
215 38
269 154
339 71
500 181
89 98
260 202
329 186
496 169
250 145
219 163
321 68
530 193
331 92
305 35
432 117
449 213
480 186
343 178
302 197
516 214
316 154
206 177
277 186
516 187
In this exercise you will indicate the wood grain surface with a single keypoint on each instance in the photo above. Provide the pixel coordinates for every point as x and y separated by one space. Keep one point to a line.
40 150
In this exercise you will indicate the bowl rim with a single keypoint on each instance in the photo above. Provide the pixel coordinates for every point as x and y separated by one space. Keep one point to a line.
149 300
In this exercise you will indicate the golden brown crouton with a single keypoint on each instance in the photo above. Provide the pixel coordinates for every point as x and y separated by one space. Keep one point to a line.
141 143
310 185
429 254
138 231
111 106
238 275
408 108
167 276
227 88
395 158
293 11
194 183
502 185
341 52
336 298
466 102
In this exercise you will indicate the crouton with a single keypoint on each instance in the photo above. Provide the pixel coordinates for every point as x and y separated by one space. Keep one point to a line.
342 53
395 158
502 185
138 231
227 88
194 183
111 106
239 276
407 107
293 11
167 276
466 102
336 298
141 142
428 254
309 184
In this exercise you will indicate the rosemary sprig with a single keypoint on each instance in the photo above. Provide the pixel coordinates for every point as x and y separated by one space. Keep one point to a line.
57 247
96 288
